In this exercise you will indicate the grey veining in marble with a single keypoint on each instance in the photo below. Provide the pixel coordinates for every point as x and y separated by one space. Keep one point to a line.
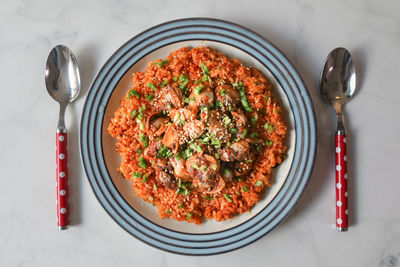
305 30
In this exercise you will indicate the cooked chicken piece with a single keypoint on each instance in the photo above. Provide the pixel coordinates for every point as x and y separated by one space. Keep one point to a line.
226 173
150 153
203 168
236 151
227 95
217 185
166 179
239 118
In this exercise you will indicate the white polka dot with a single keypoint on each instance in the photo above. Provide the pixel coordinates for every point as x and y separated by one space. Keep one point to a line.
346 194
339 221
62 174
339 203
345 176
344 140
61 138
347 212
339 185
62 192
61 156
338 150
338 167
63 210
345 158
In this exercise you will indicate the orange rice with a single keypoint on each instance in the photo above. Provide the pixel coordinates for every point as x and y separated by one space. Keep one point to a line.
196 206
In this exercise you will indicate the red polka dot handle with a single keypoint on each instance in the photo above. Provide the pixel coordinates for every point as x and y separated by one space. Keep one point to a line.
342 211
62 180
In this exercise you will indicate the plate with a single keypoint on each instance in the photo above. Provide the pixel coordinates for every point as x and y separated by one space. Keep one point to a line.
101 161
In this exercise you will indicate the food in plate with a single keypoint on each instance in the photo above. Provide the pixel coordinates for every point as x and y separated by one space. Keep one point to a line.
199 134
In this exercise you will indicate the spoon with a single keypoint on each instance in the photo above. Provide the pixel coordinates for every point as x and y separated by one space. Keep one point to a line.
338 83
63 84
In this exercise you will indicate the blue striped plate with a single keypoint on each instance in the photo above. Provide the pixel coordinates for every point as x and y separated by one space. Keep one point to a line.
101 161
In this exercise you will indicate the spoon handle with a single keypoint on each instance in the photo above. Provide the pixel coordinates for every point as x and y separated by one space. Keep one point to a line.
62 179
341 181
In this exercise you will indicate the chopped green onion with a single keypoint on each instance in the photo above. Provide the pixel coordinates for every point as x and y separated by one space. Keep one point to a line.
178 156
266 97
244 188
141 127
204 78
278 111
155 186
197 90
142 162
139 151
164 152
228 197
176 117
151 86
259 183
183 80
192 99
233 130
203 168
215 167
160 64
151 198
133 114
217 156
168 211
269 126
149 97
136 174
258 148
219 104
254 134
239 179
164 83
204 68
230 108
179 182
208 197
144 178
223 92
243 98
227 171
144 139
244 132
133 92
197 81
268 142
226 120
189 215
194 165
254 119
175 79
181 205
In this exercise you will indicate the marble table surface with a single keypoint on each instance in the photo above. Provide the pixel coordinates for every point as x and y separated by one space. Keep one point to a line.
305 30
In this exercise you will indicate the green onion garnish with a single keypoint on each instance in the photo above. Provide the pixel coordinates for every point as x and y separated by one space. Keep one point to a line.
254 134
203 167
139 151
254 119
228 197
164 83
259 183
149 97
133 92
151 86
181 205
215 167
268 142
133 114
155 186
160 64
223 92
244 188
269 126
204 68
136 174
144 178
142 162
168 211
197 81
144 139
195 166
197 90
226 120
189 215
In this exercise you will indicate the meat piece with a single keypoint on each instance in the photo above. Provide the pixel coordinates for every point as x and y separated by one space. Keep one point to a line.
239 118
216 127
171 95
217 186
156 124
171 138
193 129
180 170
206 97
166 179
227 95
203 168
150 153
226 173
243 167
237 151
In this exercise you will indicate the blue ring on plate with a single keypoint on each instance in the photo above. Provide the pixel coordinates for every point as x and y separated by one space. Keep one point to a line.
116 67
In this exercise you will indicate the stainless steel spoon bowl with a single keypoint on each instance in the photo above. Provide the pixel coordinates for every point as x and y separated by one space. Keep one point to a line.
63 84
338 84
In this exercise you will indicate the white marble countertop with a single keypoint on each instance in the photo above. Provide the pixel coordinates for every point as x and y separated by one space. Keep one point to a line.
304 30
